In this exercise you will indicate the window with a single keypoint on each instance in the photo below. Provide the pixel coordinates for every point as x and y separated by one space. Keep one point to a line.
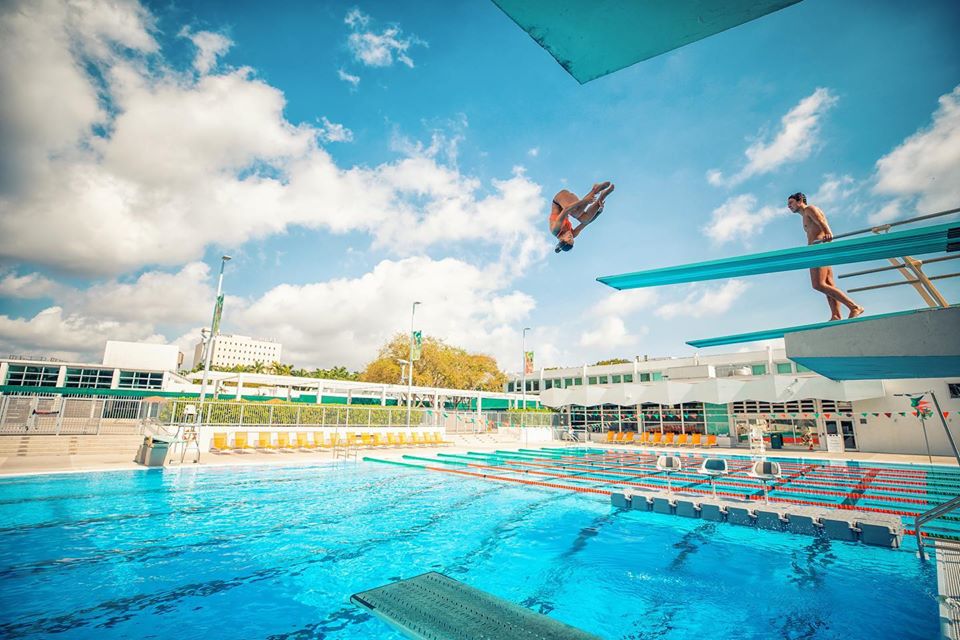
19 375
615 379
758 369
89 378
954 389
657 375
578 381
644 377
568 382
801 368
592 380
510 387
784 367
628 377
140 380
603 379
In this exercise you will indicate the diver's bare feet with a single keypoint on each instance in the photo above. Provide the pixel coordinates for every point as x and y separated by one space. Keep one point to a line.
605 192
856 311
833 318
597 188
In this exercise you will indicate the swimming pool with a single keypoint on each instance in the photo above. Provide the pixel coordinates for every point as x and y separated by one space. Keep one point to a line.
275 552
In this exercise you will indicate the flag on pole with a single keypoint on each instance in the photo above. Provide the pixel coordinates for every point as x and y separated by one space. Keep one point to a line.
417 346
528 362
217 314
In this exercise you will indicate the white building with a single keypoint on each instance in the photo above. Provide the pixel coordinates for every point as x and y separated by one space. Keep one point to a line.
142 355
232 350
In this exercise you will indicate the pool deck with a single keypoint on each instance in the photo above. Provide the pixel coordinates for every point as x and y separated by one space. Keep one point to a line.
28 465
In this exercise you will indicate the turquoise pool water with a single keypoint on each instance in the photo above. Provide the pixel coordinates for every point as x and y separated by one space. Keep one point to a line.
275 552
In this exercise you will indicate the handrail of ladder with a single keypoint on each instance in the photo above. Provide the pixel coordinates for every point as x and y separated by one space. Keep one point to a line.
931 514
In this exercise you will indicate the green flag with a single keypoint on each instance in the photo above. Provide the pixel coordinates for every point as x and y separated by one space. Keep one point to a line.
417 341
217 313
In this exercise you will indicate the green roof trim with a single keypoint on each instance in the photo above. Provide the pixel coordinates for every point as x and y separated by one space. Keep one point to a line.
911 242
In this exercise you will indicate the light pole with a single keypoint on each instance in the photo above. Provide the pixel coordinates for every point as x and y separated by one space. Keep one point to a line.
943 421
523 375
211 340
413 312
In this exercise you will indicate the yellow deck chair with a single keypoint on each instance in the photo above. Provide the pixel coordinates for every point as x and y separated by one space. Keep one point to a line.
283 441
668 439
418 439
219 443
695 441
682 440
712 441
628 437
302 442
644 438
611 436
265 440
319 441
380 440
656 439
392 440
240 441
438 439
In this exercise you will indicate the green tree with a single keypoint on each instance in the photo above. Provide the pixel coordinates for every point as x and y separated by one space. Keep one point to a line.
440 365
612 361
258 367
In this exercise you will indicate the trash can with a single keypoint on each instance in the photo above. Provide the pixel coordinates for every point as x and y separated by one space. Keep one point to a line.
153 452
776 441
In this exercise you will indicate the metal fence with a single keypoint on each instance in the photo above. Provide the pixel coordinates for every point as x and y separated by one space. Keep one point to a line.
60 415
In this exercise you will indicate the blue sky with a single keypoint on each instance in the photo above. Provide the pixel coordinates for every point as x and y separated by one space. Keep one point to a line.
356 157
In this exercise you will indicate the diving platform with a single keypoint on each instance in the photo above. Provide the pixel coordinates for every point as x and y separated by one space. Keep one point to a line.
590 40
921 343
932 239
432 606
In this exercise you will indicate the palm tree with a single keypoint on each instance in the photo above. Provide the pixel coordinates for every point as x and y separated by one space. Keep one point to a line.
300 373
258 367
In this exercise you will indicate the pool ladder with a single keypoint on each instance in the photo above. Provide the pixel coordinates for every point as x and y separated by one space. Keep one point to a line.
932 514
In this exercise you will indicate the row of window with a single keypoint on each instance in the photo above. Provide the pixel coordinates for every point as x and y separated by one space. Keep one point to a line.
563 383
87 378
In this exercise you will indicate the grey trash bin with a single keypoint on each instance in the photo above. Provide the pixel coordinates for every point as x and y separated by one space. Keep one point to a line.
153 452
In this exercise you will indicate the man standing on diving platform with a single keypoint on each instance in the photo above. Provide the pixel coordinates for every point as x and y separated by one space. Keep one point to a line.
818 230
567 205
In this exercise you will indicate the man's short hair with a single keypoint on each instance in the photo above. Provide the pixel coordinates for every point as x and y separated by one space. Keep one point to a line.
563 246
799 197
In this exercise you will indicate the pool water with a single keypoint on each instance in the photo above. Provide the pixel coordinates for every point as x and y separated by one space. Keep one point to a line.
275 552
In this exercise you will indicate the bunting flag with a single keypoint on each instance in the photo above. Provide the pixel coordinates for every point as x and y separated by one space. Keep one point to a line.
946 414
903 414
816 415
889 415
827 415
793 415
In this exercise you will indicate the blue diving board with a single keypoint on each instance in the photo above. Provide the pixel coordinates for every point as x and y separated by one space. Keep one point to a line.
770 334
592 39
911 242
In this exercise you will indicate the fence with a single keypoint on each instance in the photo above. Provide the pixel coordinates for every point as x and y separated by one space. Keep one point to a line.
60 415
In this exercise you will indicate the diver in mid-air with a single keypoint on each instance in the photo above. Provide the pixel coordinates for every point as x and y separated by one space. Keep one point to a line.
567 205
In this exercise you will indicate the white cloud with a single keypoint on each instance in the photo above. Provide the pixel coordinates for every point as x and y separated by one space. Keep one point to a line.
533 152
739 218
925 168
31 285
224 165
333 132
378 49
798 136
624 303
356 18
346 77
611 332
704 300
210 46
834 190
887 213
68 336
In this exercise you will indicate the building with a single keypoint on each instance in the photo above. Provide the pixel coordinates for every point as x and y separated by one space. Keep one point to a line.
142 355
232 350
731 394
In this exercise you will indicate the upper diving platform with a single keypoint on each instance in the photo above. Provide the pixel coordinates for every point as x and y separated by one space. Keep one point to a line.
592 39
932 239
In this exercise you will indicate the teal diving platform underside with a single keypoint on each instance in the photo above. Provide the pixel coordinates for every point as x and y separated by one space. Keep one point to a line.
911 242
771 334
432 606
592 39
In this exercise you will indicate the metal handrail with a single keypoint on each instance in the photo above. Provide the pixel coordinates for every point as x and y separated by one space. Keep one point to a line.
887 226
932 514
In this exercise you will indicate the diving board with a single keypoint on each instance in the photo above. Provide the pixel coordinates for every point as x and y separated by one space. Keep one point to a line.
932 239
433 606
771 334
592 39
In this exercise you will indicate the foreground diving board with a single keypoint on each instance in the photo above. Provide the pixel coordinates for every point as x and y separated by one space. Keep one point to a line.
770 334
432 606
911 242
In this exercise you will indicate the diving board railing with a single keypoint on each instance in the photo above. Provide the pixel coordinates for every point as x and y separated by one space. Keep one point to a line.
937 512
912 270
932 239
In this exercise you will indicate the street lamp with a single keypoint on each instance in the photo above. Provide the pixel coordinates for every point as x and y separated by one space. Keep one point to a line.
403 369
413 311
523 375
211 340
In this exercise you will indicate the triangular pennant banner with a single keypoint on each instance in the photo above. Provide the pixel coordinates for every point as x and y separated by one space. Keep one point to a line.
889 415
946 414
827 415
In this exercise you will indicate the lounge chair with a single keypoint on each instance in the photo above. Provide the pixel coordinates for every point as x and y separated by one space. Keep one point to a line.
644 438
711 441
668 439
695 440
241 441
611 435
682 440
628 437
265 441
283 441
656 439
219 443
302 442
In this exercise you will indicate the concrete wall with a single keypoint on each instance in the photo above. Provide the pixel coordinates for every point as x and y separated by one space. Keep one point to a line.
141 355
904 434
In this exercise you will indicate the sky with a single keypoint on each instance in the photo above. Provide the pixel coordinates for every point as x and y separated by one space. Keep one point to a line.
355 158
